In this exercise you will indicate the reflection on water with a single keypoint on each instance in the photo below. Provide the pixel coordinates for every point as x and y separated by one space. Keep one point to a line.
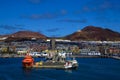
27 70
68 71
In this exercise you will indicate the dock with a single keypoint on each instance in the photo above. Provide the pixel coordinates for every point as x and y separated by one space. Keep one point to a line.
115 57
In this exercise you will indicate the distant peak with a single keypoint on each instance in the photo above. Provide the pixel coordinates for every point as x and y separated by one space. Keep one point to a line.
91 28
27 34
78 30
94 33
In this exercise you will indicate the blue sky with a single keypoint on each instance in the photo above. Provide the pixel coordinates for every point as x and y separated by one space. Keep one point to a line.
58 17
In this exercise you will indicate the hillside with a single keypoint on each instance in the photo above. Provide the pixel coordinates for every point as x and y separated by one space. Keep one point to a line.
88 33
94 33
25 35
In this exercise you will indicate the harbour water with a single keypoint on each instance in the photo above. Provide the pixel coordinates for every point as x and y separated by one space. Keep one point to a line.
89 69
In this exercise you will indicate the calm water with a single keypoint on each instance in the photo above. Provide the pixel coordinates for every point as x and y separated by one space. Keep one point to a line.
89 69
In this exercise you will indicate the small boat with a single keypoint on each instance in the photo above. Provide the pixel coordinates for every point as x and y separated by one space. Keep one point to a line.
28 61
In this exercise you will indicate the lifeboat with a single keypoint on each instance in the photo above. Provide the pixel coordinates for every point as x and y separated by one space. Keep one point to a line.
28 61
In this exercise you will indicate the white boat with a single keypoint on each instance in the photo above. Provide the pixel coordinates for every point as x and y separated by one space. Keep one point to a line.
71 64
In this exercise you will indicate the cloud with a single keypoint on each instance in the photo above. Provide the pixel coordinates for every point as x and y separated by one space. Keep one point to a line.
100 5
9 27
102 9
35 1
46 15
53 30
19 25
63 12
73 21
40 16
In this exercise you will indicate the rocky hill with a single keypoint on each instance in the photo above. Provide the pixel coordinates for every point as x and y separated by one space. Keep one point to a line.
25 35
87 33
94 33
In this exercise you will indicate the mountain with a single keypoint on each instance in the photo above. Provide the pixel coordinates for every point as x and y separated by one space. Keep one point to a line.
87 33
25 35
94 33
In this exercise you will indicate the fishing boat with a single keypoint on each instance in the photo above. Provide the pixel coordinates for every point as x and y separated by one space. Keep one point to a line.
72 64
55 62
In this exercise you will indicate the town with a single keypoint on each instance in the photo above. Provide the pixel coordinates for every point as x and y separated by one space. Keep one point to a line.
40 48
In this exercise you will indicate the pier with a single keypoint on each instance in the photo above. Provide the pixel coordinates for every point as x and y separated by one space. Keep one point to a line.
115 57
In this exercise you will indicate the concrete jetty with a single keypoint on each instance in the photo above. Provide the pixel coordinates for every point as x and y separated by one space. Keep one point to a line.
115 57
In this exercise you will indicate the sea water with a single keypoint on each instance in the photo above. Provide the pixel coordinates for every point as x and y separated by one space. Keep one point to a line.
89 69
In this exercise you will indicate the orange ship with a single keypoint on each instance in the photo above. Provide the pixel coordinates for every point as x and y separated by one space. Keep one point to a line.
28 61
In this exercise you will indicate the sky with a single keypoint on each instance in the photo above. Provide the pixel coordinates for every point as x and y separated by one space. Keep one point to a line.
58 17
